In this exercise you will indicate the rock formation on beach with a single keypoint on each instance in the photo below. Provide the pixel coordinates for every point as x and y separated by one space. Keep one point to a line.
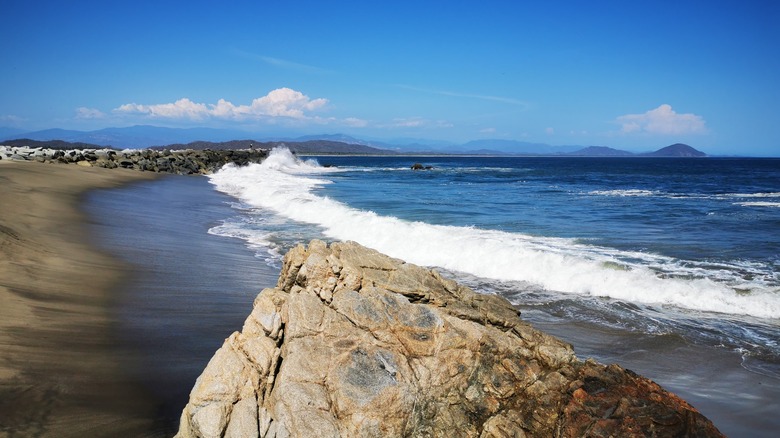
182 162
354 343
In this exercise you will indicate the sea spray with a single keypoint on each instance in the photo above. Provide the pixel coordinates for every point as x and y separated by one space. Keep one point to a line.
289 187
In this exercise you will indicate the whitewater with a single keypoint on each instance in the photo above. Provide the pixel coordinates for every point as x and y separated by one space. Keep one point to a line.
293 189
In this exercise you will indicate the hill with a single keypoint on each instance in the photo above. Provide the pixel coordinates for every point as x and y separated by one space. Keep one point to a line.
676 150
133 137
50 144
145 136
512 147
299 147
331 147
600 151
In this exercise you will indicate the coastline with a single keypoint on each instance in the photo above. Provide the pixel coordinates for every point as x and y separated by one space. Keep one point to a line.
135 204
186 289
58 373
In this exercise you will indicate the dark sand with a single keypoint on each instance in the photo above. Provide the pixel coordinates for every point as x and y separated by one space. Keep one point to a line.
59 374
188 289
92 347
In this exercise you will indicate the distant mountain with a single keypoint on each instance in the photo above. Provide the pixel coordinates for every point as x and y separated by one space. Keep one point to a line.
201 145
676 150
136 137
330 147
299 147
600 151
514 147
9 133
49 144
342 138
52 134
407 142
141 136
144 136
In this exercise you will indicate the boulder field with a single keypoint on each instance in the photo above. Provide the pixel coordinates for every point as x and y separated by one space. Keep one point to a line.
354 343
182 162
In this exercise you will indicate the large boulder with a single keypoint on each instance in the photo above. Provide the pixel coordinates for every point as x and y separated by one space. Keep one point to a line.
354 343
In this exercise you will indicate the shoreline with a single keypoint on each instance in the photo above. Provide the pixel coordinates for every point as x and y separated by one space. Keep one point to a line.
137 416
59 374
186 289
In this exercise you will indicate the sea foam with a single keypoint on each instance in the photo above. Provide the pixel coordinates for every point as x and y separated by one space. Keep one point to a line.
288 187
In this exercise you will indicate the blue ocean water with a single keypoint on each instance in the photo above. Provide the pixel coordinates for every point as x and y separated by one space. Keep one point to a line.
653 245
665 266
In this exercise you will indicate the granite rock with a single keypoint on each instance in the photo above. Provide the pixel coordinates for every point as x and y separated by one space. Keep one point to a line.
354 343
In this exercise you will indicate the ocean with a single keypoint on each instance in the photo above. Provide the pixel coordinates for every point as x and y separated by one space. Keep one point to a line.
668 267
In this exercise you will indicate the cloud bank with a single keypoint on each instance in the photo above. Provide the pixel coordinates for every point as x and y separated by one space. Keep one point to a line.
89 113
282 102
664 121
415 122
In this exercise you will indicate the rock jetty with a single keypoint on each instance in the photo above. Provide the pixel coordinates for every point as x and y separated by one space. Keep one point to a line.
183 162
354 343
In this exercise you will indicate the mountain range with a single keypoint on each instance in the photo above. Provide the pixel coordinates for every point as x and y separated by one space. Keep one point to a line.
145 136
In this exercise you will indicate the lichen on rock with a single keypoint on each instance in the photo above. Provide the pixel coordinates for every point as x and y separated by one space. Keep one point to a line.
354 343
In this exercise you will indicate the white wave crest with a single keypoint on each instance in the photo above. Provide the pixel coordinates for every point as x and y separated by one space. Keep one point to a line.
753 195
628 192
287 187
759 204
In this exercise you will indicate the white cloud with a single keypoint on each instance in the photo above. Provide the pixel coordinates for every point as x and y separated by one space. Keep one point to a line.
89 113
291 65
662 120
181 109
281 63
502 99
550 131
412 122
488 130
282 102
11 119
355 122
417 122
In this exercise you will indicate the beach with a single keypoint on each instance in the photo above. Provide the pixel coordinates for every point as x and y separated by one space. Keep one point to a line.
103 345
187 289
632 261
58 374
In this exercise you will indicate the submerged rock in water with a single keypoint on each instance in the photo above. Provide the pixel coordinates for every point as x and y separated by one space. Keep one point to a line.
354 343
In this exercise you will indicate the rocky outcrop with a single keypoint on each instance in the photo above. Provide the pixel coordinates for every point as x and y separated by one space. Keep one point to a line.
353 343
183 162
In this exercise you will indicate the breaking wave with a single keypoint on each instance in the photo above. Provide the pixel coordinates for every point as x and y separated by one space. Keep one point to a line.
288 187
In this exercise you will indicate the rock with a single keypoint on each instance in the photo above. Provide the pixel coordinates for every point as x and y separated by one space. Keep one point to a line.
126 163
185 162
418 166
354 343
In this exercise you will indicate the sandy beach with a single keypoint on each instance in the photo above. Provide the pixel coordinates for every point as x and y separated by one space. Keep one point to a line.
58 376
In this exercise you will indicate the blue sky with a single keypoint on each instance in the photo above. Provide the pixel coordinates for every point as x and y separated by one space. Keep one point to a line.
632 75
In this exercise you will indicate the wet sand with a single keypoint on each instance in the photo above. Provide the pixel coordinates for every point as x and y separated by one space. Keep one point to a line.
59 375
188 289
70 366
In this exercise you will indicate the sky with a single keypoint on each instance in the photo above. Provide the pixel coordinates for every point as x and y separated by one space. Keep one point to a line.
634 75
